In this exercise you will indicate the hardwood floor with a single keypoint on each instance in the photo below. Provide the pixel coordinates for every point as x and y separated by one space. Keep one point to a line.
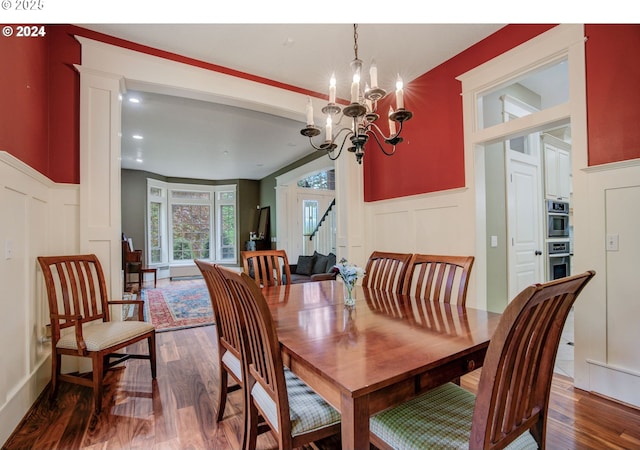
176 411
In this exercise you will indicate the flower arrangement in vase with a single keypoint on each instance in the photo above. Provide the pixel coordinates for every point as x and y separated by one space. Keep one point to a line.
349 273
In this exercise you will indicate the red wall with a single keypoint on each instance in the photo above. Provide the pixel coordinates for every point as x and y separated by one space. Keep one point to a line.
39 106
431 158
64 110
39 102
613 94
24 100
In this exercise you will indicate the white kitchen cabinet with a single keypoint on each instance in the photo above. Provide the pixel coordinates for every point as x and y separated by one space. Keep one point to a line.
557 168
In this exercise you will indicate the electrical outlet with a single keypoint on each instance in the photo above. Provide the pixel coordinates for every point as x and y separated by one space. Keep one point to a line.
612 242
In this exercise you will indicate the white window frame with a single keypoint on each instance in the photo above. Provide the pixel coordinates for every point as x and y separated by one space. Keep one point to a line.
162 200
214 203
218 231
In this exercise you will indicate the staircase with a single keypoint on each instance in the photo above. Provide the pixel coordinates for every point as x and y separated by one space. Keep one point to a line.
323 237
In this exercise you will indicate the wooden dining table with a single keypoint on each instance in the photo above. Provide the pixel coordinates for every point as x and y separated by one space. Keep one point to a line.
385 350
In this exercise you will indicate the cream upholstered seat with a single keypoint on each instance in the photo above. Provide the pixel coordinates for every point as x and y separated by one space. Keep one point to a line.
295 414
98 336
510 409
81 324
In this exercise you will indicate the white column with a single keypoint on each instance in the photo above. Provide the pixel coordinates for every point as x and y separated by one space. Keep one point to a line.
350 226
100 124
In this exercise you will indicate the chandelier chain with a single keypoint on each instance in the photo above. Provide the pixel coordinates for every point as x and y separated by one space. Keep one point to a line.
355 39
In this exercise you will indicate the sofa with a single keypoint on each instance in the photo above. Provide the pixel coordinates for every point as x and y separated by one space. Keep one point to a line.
317 267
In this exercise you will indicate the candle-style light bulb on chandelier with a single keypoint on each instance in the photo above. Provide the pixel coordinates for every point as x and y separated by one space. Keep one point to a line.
363 112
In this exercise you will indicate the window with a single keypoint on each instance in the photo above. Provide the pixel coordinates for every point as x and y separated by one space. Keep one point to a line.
527 89
201 222
321 180
310 217
227 225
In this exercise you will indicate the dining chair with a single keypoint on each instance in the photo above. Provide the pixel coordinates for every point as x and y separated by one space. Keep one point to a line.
386 271
438 278
227 330
266 267
133 263
295 414
510 408
81 324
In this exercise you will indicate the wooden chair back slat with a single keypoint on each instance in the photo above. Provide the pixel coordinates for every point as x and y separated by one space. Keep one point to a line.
224 315
513 393
76 287
386 271
227 335
438 278
261 349
267 267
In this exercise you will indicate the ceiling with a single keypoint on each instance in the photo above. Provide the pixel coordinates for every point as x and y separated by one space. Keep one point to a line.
190 138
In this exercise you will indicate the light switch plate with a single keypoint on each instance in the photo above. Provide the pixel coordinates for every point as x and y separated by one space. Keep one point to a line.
8 249
612 242
494 241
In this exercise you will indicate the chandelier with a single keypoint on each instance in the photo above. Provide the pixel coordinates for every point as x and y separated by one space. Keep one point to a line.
363 114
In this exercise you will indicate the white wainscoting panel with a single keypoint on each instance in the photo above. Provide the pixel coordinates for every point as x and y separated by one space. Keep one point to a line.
607 359
39 218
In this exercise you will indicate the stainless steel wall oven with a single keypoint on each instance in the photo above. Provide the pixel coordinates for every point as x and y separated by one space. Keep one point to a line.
559 262
557 219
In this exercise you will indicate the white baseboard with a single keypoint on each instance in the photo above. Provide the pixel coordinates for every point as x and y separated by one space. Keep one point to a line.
614 382
190 270
18 405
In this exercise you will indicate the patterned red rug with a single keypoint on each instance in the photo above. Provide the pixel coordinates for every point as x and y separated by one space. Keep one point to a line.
182 304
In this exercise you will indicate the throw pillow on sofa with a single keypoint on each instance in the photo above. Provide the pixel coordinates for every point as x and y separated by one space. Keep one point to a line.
305 265
331 261
320 263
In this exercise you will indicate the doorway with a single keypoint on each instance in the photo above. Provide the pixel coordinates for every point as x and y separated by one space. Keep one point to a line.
536 73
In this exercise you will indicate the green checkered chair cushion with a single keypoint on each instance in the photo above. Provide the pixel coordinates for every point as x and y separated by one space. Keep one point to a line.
439 419
308 411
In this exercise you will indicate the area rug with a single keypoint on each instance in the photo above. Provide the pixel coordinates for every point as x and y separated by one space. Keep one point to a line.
182 304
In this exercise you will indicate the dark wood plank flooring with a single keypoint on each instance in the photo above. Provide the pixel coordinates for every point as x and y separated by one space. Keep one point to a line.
176 411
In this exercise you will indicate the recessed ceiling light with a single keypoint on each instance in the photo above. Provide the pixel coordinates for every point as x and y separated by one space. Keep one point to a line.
134 100
139 160
137 136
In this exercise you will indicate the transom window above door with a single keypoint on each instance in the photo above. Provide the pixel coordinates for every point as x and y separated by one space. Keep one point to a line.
322 180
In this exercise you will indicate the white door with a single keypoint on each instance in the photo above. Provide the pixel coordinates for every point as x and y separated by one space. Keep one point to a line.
524 224
312 204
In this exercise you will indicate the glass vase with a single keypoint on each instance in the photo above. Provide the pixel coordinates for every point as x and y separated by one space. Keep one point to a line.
349 294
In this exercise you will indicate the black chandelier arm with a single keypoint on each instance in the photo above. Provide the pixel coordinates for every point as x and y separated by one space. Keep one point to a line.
315 147
329 147
344 140
371 125
391 138
377 139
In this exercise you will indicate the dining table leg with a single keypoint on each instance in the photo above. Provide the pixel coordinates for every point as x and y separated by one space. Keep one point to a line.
355 422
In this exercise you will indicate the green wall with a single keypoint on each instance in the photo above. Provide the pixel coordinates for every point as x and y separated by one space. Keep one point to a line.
134 203
268 186
251 194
